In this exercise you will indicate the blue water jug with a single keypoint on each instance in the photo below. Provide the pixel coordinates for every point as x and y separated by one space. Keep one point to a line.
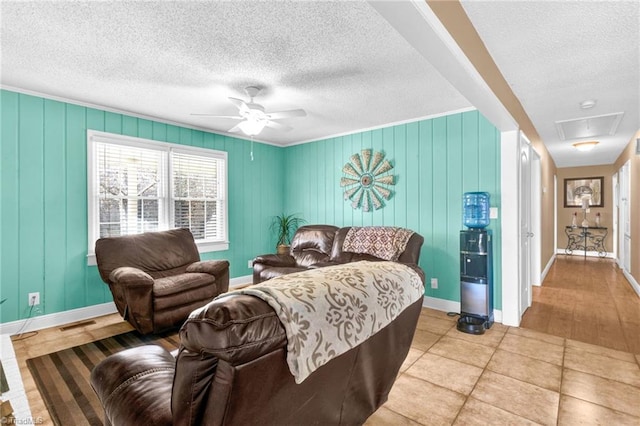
475 209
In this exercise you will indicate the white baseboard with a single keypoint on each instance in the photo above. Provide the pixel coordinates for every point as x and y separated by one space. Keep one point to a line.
80 314
451 306
57 319
546 269
632 281
581 253
240 281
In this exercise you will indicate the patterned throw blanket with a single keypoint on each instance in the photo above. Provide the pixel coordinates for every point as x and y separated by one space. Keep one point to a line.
327 311
385 242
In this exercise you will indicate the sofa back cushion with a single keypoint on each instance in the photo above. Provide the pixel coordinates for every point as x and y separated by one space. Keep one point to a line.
159 254
312 244
411 252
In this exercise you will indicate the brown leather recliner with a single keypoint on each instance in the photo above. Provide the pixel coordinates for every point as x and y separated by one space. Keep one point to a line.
316 246
157 278
231 369
311 244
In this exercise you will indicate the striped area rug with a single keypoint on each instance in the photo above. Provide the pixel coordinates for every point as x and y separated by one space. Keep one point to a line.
63 377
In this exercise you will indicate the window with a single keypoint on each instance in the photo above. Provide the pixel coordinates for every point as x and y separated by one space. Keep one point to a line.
137 185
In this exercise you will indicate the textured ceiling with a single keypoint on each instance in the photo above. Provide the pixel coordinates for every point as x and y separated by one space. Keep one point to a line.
557 54
340 61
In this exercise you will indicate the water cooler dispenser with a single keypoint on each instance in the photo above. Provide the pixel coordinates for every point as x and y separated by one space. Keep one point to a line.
476 266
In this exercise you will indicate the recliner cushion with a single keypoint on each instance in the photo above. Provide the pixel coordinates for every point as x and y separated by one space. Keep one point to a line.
183 289
156 253
312 244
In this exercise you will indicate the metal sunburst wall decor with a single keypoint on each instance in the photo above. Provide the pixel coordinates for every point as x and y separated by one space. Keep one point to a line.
367 182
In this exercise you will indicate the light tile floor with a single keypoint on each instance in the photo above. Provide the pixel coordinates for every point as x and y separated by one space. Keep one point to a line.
509 376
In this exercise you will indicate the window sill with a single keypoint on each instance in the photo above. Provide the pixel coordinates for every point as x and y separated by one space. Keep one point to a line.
204 247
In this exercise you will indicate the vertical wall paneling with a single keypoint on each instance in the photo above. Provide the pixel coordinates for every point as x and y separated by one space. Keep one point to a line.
398 157
76 208
413 169
31 192
55 227
425 208
451 279
10 214
435 161
441 196
43 171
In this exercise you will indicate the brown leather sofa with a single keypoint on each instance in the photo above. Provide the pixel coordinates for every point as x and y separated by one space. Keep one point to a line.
157 278
316 246
231 369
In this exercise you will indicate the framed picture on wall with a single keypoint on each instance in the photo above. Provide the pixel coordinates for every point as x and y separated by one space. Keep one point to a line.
577 189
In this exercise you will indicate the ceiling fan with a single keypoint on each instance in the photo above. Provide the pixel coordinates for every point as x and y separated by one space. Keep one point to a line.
253 116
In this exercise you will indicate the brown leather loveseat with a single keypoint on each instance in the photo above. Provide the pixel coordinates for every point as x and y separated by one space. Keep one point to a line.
316 246
231 369
157 278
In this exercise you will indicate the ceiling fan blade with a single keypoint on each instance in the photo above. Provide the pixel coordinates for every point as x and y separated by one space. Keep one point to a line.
235 117
286 114
278 126
242 105
234 129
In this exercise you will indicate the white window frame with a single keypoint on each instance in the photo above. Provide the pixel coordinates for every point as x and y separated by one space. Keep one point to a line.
93 225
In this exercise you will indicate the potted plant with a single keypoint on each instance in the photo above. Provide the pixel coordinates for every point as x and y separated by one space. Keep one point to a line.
284 226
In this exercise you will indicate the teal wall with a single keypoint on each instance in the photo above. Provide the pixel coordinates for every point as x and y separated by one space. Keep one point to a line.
43 203
435 162
43 207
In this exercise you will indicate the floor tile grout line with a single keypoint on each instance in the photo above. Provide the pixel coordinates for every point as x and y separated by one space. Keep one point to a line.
486 368
562 367
599 405
479 377
601 377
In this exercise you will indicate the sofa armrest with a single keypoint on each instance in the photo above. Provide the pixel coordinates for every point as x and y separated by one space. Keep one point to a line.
418 270
278 260
137 288
211 267
141 377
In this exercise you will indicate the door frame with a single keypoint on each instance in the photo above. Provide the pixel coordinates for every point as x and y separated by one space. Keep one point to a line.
624 213
536 219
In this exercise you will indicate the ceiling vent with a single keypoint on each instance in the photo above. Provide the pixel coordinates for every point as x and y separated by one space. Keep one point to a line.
589 127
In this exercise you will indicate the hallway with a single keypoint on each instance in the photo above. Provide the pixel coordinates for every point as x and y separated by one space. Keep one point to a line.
588 300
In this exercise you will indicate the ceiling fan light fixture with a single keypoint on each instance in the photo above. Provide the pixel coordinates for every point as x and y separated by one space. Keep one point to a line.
252 127
585 146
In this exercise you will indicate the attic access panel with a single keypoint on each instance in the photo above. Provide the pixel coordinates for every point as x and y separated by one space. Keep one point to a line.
589 127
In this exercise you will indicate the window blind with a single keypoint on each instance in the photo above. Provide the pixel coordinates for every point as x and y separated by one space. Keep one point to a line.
197 194
129 189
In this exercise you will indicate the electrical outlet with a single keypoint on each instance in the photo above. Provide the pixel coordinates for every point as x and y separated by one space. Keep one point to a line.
34 299
434 283
250 264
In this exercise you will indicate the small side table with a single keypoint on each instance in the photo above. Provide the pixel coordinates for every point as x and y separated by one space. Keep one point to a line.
586 238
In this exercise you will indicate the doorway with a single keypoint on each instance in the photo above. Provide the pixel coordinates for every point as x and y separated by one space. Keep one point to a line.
530 204
624 219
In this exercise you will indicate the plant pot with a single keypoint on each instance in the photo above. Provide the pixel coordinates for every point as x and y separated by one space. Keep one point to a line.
282 249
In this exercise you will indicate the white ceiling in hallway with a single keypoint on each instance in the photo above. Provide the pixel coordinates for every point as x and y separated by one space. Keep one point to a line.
556 54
